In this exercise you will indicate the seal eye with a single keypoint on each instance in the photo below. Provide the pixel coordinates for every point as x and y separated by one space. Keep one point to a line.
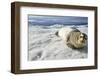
84 36
81 36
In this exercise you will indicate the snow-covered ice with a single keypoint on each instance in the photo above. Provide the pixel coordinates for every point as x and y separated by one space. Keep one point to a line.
43 44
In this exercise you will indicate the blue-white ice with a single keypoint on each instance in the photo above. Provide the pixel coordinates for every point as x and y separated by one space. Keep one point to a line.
45 45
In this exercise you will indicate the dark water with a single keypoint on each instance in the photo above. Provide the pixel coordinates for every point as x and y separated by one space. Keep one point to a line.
62 20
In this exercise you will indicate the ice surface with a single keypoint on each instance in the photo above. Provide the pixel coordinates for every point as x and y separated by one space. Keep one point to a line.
45 45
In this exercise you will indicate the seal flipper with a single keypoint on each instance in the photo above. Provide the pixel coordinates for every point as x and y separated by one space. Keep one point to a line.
56 33
70 46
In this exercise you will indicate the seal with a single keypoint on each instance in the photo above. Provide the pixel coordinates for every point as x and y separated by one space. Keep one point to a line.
72 37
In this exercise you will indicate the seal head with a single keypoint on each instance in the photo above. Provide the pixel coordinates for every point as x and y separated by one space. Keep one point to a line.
76 40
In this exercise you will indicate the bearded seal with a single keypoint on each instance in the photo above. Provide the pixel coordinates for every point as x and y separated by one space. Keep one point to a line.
72 37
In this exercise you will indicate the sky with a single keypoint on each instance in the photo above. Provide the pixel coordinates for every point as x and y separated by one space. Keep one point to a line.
50 20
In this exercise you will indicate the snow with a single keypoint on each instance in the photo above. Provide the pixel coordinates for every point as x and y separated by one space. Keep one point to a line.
43 44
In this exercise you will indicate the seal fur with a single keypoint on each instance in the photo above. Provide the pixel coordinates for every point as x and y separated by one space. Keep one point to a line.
72 37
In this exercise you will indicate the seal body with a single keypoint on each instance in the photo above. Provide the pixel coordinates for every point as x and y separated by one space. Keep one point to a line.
72 37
